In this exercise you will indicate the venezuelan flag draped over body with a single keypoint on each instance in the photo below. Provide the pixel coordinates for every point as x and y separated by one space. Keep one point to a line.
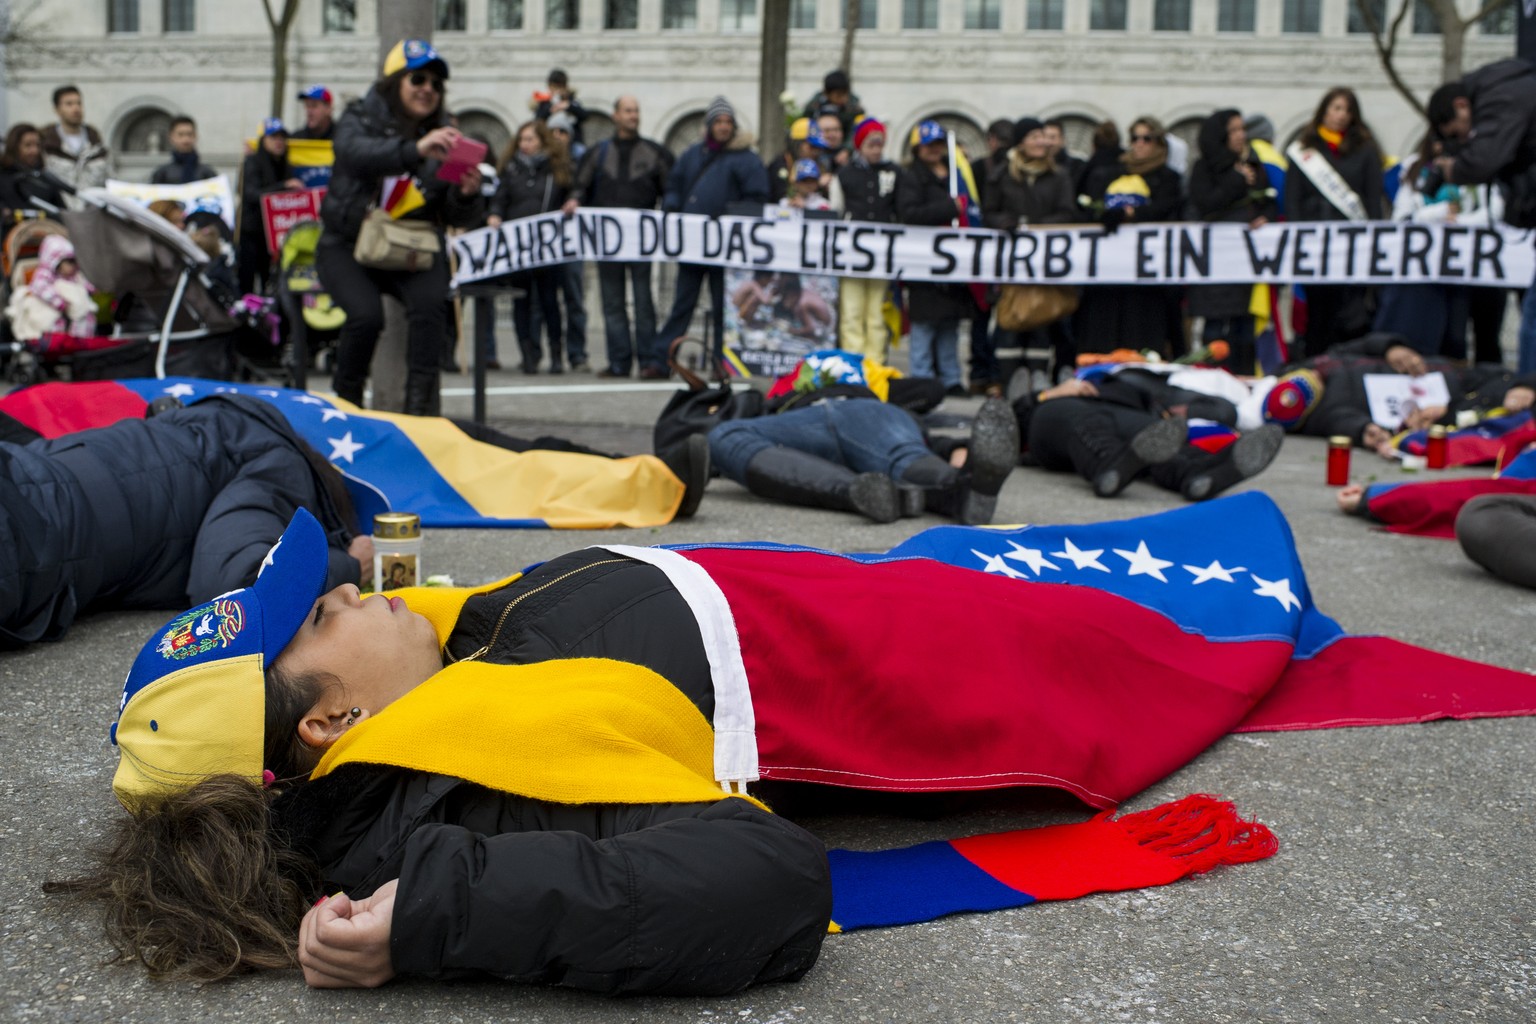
1428 508
1496 440
421 464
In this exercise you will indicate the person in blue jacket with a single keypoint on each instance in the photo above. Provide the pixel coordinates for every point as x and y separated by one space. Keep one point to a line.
708 178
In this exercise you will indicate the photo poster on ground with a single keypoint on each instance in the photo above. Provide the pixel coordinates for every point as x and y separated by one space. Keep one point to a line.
773 319
1392 396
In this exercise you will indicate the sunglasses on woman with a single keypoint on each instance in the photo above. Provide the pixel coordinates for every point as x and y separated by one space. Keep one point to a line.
1143 138
421 78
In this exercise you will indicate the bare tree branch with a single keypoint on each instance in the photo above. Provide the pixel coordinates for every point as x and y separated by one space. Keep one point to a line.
1386 48
852 15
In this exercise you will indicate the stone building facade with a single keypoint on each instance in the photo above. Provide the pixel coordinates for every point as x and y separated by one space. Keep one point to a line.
966 62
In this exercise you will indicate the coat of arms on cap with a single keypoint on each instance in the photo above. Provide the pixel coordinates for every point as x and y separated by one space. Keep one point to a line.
201 630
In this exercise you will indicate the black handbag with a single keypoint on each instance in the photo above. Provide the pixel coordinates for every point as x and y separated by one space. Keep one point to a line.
697 408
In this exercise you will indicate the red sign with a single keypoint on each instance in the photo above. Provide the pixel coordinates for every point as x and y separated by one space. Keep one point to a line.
280 211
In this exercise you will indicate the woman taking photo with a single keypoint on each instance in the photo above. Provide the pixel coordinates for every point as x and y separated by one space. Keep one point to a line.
1335 174
391 143
536 177
1139 188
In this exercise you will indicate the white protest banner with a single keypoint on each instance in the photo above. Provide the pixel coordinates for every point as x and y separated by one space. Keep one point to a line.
1392 396
208 194
1372 252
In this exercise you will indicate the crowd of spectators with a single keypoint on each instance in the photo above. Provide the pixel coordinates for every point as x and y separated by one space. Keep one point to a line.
840 160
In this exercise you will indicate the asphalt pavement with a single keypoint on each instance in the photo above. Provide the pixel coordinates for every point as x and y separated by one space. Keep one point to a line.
1402 891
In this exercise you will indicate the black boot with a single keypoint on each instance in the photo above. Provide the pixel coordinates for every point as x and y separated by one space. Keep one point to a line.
927 483
1200 475
970 495
1102 458
689 462
798 478
423 397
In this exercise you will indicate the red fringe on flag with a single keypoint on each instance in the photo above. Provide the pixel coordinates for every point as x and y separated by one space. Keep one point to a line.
1202 831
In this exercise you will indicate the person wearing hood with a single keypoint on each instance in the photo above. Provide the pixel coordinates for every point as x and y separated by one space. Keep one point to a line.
1228 184
265 170
1139 188
710 176
392 141
536 177
57 300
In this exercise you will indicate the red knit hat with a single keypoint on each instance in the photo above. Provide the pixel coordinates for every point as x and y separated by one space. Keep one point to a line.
865 129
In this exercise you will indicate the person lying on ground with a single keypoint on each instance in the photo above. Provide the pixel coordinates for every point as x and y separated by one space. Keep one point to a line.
1116 430
544 779
172 509
870 457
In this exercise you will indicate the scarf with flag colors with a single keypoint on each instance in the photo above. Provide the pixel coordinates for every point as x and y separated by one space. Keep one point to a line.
421 464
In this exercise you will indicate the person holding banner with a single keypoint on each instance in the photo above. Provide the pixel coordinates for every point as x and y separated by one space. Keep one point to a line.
711 176
1228 185
1138 188
389 146
924 196
1335 175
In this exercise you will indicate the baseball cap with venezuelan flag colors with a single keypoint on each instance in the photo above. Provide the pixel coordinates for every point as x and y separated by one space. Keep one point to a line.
414 55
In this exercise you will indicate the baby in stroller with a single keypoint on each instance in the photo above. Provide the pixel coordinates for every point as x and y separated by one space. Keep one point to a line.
57 299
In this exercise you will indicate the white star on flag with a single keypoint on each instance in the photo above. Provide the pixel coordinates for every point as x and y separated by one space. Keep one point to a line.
344 447
1080 559
267 392
225 390
268 560
1280 590
1032 557
326 415
309 399
1214 571
180 390
1143 563
995 563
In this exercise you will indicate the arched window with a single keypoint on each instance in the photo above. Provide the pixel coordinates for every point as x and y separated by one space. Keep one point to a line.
596 127
687 130
487 126
1076 132
143 131
1188 129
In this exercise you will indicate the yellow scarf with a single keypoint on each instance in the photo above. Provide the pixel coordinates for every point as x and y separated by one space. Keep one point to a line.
1330 136
576 731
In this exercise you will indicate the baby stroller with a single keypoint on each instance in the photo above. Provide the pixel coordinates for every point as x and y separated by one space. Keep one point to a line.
313 320
178 328
18 261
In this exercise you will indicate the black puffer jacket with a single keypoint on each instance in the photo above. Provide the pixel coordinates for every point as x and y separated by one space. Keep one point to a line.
158 513
1359 166
1030 199
371 147
687 899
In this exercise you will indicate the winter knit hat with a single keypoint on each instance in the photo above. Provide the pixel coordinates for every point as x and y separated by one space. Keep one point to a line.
1292 398
1023 126
865 128
719 107
560 121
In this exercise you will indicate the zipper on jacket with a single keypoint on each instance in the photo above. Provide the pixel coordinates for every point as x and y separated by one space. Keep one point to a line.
502 619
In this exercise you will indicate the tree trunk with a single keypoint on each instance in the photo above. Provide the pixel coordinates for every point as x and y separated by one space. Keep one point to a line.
853 11
1453 41
279 68
404 19
772 75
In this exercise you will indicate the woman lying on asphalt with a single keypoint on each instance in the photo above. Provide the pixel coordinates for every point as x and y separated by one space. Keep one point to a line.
544 779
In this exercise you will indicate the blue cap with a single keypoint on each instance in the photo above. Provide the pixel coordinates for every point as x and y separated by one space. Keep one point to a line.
928 132
805 169
273 126
194 702
316 92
